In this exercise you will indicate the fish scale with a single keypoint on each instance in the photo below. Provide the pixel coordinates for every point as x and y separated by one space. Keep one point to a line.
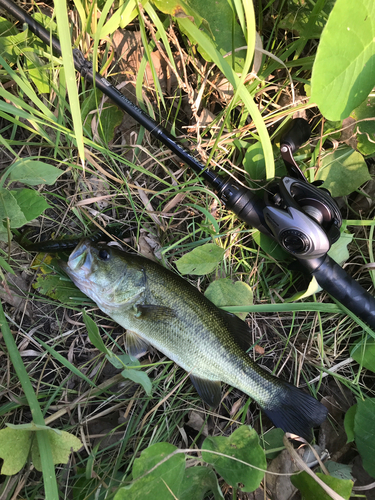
159 308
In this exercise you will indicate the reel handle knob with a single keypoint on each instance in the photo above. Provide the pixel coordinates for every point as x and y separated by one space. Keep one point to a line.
296 135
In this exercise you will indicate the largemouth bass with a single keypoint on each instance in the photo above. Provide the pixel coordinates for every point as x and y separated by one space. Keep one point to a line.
159 308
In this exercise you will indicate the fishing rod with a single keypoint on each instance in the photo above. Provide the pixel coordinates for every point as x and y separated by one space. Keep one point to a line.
302 217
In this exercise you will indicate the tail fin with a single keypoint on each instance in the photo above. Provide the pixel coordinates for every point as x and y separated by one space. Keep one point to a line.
297 412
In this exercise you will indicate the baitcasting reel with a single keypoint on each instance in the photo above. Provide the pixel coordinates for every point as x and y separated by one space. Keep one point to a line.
303 218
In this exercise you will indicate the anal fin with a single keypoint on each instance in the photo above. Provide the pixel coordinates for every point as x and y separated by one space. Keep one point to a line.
209 391
135 345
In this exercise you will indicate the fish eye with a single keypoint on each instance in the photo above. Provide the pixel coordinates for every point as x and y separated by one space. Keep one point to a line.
103 254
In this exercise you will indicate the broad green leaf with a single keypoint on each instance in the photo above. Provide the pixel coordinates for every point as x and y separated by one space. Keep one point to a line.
364 353
3 233
14 449
160 484
364 430
31 426
202 260
313 288
254 162
110 118
37 71
34 172
365 129
7 27
269 246
343 171
349 423
11 46
223 292
273 439
215 20
139 377
339 251
311 490
344 69
197 482
242 444
61 444
341 471
15 444
93 333
107 120
30 202
63 290
9 209
332 128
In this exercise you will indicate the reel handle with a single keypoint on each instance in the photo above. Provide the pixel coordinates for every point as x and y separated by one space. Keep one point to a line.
296 135
293 138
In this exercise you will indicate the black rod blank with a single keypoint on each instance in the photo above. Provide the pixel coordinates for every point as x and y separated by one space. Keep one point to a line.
85 68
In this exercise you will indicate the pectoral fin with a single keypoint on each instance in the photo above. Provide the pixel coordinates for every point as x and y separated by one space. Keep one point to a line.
208 390
135 345
153 312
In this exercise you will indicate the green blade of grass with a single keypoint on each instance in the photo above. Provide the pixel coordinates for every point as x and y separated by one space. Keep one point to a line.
148 48
26 87
243 93
49 477
250 33
161 31
81 11
121 18
65 362
371 251
355 318
287 307
61 11
98 35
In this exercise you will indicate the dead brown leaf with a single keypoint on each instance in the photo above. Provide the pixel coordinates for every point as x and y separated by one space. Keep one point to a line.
280 487
196 422
14 292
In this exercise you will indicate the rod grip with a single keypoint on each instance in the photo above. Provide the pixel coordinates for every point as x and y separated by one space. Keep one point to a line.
245 204
332 278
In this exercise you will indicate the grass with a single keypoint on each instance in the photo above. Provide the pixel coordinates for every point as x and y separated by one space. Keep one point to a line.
164 210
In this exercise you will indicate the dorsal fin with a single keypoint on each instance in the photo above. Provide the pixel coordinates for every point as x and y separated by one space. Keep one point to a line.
209 391
239 329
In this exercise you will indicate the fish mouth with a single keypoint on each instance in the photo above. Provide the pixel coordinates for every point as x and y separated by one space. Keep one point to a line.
80 260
